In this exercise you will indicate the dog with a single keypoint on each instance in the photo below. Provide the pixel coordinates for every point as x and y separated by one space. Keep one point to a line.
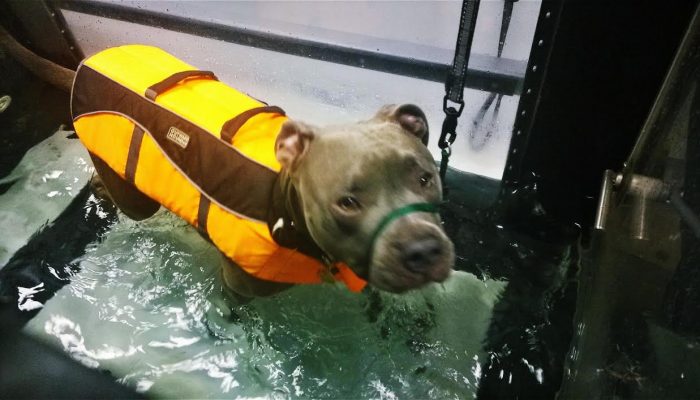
359 192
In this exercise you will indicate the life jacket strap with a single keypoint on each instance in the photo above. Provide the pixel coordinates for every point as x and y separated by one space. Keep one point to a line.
132 158
230 127
203 214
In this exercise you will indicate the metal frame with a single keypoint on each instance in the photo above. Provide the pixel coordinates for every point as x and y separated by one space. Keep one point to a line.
585 97
40 27
538 64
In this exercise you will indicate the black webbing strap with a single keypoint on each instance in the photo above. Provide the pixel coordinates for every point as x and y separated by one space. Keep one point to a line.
154 90
454 85
203 214
505 23
132 158
234 124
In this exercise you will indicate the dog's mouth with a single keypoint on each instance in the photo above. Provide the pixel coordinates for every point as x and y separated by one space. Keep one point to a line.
410 257
408 249
396 280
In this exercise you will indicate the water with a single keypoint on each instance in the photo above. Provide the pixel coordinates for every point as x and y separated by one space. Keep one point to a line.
531 324
148 306
143 302
49 176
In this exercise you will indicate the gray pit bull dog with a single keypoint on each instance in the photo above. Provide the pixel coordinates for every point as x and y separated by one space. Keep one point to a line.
365 191
358 184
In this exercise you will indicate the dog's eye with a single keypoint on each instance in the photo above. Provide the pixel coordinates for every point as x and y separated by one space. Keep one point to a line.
426 179
348 203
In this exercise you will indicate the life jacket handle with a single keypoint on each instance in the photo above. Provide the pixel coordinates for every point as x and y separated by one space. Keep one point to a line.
234 124
166 84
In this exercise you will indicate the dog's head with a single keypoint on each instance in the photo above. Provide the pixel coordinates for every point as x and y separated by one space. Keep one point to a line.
368 192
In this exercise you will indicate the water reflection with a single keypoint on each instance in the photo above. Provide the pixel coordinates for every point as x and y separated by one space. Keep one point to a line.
25 300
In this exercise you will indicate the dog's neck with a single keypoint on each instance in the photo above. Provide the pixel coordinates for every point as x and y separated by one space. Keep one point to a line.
286 220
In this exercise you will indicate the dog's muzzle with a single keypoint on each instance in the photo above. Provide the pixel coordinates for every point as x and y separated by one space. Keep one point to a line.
398 213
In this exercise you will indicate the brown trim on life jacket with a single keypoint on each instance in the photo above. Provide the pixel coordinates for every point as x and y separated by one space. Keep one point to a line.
130 200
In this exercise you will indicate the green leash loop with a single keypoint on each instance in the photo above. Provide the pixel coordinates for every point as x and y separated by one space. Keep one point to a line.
398 213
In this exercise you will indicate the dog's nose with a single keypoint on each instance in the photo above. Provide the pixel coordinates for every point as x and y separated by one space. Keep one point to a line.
420 255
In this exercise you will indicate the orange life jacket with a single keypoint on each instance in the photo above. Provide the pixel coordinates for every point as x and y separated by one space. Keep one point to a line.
198 147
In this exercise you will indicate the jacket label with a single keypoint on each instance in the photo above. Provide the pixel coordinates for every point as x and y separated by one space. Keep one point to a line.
178 137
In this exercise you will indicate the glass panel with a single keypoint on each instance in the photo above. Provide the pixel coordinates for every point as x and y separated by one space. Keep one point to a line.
313 90
637 317
425 30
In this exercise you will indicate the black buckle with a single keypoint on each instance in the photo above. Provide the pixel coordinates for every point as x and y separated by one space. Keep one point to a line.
450 110
449 129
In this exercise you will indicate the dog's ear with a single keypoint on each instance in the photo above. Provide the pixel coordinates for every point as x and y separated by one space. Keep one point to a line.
411 118
292 143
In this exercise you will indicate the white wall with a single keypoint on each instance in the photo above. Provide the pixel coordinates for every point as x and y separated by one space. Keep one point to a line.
321 92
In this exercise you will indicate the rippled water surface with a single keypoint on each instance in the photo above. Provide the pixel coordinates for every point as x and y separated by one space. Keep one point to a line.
143 302
147 306
49 176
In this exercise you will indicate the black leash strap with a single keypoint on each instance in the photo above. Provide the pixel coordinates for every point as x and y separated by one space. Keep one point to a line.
505 23
454 85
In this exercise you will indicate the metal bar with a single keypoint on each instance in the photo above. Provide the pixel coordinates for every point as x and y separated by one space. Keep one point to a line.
493 74
534 82
606 192
505 23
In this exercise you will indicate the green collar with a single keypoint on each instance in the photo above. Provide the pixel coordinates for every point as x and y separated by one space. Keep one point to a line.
398 213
